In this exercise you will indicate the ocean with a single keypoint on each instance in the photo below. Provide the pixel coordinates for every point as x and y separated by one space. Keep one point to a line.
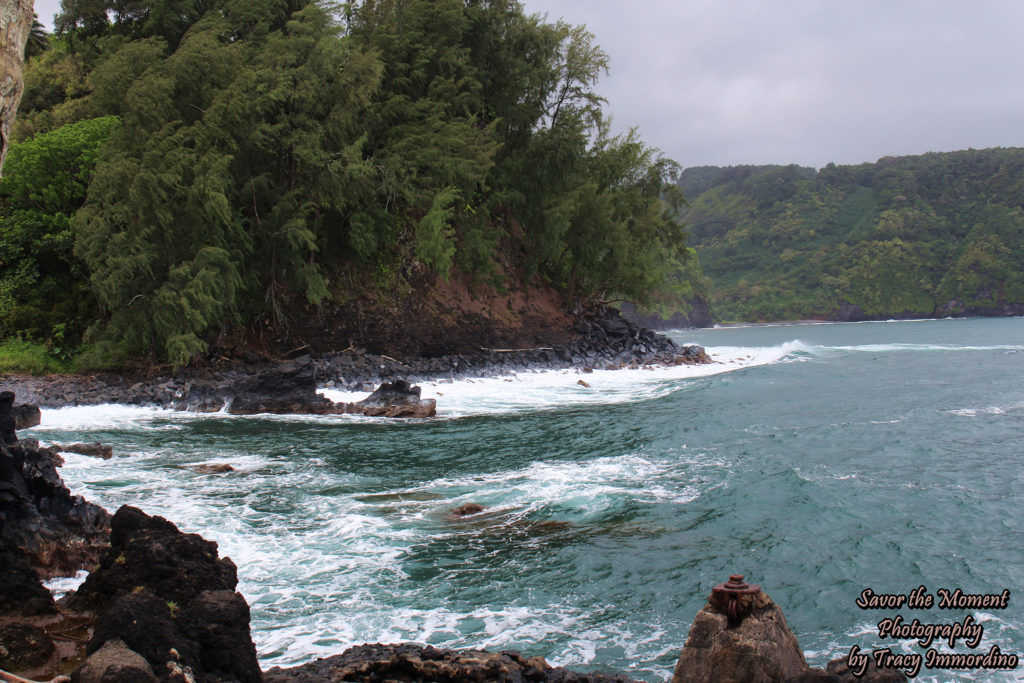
818 460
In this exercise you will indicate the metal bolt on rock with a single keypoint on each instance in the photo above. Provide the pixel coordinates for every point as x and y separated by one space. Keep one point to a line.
731 592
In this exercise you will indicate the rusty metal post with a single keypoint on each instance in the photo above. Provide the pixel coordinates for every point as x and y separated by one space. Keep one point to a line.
730 592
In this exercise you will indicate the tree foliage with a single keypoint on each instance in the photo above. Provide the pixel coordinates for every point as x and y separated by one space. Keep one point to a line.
43 293
270 151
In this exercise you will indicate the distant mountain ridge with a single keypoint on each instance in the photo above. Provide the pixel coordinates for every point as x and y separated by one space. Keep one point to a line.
937 234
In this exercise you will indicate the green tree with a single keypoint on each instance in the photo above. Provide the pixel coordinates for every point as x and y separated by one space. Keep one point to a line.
44 292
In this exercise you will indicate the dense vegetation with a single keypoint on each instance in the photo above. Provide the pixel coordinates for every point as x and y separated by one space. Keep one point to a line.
937 234
186 166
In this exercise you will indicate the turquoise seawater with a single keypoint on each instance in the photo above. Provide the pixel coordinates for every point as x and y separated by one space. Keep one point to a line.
817 460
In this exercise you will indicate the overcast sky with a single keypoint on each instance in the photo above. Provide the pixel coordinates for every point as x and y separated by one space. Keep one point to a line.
725 82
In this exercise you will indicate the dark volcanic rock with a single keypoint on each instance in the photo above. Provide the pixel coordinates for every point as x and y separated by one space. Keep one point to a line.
95 449
26 415
23 647
397 399
410 662
159 589
285 389
8 421
21 591
290 388
152 552
57 533
218 622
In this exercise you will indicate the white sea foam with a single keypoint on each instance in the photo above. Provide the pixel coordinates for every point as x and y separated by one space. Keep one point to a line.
60 585
536 390
560 388
323 580
114 416
987 410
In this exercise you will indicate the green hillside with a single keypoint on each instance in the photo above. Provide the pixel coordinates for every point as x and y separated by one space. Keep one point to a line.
932 235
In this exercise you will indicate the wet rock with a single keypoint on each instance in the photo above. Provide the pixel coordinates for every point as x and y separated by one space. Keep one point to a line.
95 449
23 594
26 415
409 662
24 647
114 663
466 510
55 532
159 589
397 399
583 384
212 468
288 388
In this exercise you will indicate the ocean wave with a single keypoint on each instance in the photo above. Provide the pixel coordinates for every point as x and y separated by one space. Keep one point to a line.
987 410
884 348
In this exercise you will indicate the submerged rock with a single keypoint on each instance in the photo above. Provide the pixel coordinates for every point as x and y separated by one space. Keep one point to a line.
466 510
212 468
410 662
95 449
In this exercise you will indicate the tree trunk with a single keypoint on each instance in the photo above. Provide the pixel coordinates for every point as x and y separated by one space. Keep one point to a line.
15 25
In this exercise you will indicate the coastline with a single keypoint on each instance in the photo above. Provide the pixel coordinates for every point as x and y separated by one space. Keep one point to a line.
603 341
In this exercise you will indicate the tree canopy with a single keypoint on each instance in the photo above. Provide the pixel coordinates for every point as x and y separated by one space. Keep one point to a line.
269 154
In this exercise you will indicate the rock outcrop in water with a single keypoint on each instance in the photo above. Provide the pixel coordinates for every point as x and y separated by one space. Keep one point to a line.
290 388
751 643
26 415
397 399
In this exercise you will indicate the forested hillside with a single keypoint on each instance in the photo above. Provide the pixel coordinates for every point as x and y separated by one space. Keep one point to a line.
187 172
932 235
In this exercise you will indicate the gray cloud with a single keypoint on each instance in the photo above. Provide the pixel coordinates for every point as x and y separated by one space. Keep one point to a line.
808 82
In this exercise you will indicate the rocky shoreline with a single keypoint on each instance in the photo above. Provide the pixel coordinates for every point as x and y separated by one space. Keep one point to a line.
603 340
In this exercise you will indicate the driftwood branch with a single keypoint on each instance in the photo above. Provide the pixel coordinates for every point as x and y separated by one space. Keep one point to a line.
11 678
